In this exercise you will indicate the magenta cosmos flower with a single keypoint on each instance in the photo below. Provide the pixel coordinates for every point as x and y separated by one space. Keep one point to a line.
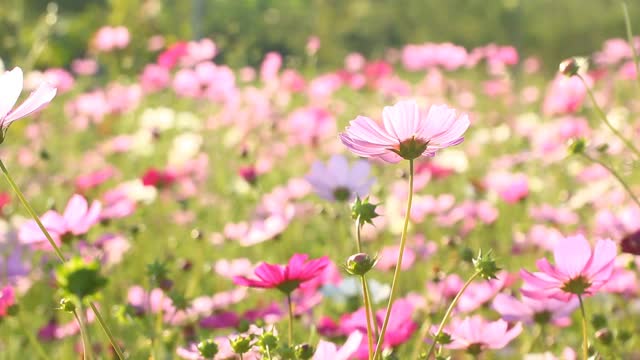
11 83
579 270
475 334
405 133
285 278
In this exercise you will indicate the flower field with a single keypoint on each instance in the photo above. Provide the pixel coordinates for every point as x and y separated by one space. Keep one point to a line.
439 202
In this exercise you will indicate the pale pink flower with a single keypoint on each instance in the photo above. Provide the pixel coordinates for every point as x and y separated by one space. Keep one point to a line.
328 350
531 311
579 270
405 133
76 220
476 334
11 83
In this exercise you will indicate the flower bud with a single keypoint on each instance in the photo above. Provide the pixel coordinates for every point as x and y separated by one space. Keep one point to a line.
604 335
67 305
577 146
208 349
569 67
599 321
79 278
304 351
363 211
443 339
268 340
360 264
240 344
486 265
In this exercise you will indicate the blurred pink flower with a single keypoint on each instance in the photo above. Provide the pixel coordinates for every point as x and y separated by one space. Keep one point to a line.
76 220
110 38
579 270
94 179
406 134
11 83
270 67
475 334
7 299
154 78
529 311
565 95
328 350
310 125
285 278
170 57
84 67
313 45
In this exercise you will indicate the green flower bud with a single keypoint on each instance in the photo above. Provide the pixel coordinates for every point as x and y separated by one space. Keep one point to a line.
569 67
577 146
268 340
240 344
604 336
304 351
443 339
599 321
363 211
67 305
486 265
79 278
208 349
360 264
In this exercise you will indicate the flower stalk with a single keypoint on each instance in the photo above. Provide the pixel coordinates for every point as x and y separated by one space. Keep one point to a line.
396 273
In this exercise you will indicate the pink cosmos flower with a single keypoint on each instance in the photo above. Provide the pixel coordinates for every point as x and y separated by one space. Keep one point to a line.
11 83
475 334
7 299
531 311
579 270
337 181
76 220
405 133
285 278
329 350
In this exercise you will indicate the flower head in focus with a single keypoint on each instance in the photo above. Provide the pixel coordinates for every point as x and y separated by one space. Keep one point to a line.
405 133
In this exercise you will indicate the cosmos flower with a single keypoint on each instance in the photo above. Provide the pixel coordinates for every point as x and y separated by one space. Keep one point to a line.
11 83
76 220
285 278
7 299
405 133
531 311
329 350
337 181
475 334
579 270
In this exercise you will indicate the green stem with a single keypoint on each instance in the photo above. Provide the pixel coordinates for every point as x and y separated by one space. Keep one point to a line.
603 116
86 343
31 212
627 22
107 332
585 341
363 279
32 339
56 249
290 319
358 240
616 175
396 273
447 314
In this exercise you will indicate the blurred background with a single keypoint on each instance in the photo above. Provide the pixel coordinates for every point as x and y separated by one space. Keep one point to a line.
43 33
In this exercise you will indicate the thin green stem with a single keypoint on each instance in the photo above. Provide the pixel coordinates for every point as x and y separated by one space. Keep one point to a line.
56 249
32 339
86 343
447 314
371 310
358 240
604 118
585 340
396 273
615 174
290 318
627 22
107 332
31 212
363 279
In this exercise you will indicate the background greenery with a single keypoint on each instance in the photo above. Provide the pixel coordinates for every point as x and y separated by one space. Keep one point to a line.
246 29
